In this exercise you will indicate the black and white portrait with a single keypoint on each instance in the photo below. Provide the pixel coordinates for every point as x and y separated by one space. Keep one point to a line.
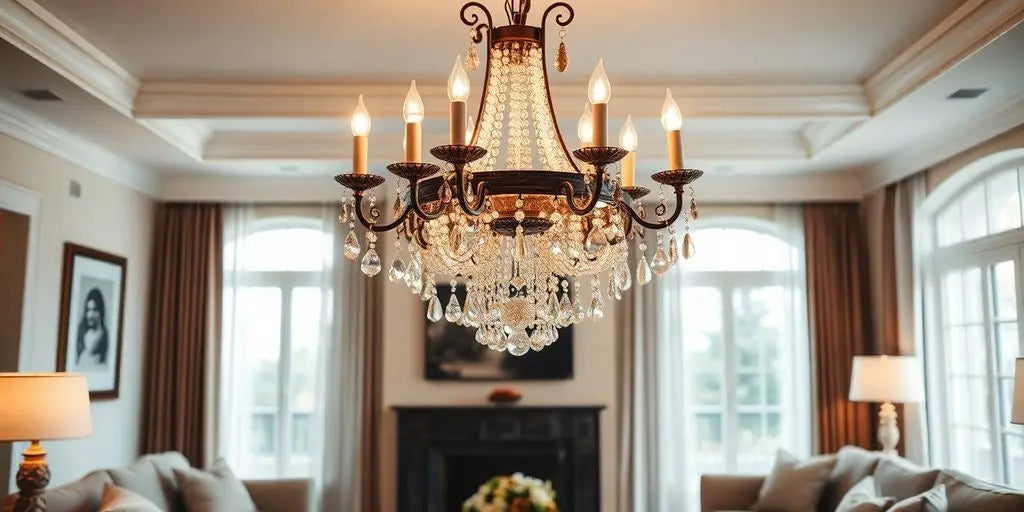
91 310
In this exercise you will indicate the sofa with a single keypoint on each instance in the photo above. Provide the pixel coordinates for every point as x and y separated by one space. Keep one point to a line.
151 476
894 476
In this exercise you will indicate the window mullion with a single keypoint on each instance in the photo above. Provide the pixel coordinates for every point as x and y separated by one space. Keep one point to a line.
988 314
730 414
284 377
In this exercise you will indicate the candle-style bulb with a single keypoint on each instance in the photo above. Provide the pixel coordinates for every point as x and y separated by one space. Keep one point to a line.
585 127
600 89
458 82
413 108
627 136
360 119
671 117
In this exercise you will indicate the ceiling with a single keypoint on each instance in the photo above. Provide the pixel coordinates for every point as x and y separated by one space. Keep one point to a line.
199 92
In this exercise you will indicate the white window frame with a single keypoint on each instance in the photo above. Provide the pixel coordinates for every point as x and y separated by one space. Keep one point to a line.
975 253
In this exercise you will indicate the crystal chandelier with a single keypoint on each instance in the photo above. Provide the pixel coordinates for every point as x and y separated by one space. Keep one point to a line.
511 213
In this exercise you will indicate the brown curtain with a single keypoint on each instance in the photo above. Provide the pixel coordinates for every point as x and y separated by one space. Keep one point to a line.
184 314
373 398
839 320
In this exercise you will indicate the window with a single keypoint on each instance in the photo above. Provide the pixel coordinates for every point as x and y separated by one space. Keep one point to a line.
737 369
274 315
975 292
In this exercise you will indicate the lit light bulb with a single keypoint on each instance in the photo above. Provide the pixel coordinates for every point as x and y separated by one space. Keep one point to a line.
458 82
600 89
360 119
413 108
671 117
627 136
469 130
585 128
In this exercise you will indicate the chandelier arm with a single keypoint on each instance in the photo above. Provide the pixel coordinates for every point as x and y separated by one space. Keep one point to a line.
481 193
370 221
473 20
567 190
660 224
418 208
563 19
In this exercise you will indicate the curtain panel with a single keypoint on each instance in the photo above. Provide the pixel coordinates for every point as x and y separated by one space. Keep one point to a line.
184 322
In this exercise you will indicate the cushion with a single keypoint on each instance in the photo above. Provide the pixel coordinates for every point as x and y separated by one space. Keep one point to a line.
165 463
932 500
900 479
217 490
965 492
854 464
143 479
118 499
81 496
794 485
863 497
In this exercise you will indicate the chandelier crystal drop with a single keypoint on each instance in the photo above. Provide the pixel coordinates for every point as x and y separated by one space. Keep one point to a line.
511 213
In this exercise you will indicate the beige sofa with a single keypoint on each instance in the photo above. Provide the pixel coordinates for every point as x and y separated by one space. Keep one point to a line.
894 477
151 476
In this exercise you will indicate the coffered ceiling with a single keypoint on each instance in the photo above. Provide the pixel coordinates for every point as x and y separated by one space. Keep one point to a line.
782 99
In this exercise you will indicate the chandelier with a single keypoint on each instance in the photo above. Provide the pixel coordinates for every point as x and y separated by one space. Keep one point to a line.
511 213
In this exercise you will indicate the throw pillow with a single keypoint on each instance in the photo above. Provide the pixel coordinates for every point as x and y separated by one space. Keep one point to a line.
794 485
932 500
863 497
119 499
217 490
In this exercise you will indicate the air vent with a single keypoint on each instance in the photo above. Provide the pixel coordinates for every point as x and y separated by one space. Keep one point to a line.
967 94
40 95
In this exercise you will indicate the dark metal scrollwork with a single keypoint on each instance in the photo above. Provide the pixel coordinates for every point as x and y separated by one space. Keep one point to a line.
472 19
563 19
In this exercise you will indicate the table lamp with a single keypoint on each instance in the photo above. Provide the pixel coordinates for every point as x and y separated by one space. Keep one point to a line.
887 379
36 407
1017 414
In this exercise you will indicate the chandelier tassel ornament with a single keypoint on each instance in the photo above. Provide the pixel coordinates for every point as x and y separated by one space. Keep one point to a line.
513 213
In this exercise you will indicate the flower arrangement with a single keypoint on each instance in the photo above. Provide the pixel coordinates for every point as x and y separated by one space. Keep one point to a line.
516 493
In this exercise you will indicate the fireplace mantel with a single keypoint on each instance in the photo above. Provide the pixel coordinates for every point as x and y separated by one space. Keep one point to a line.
444 453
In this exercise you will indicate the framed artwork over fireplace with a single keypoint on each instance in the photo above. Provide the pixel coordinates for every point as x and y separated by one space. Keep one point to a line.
452 353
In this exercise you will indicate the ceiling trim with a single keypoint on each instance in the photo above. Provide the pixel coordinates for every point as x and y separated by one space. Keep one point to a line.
932 150
969 28
36 131
41 35
240 100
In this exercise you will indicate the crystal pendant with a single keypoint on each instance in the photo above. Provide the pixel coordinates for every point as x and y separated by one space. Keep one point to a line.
518 342
371 263
453 312
538 340
688 248
596 310
397 270
581 312
352 247
643 271
520 247
500 343
625 278
596 241
564 310
471 314
434 311
481 337
614 289
660 263
673 250
553 307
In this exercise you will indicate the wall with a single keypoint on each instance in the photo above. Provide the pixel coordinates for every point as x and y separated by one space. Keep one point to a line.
939 173
404 384
110 217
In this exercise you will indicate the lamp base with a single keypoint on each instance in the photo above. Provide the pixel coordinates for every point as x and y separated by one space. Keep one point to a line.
33 476
888 430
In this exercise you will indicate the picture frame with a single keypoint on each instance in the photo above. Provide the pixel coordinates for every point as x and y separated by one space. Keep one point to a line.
91 326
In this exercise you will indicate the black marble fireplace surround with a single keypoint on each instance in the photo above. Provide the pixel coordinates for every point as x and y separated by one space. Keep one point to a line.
445 453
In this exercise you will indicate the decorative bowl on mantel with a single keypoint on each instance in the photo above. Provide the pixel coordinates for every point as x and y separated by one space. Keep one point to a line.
504 396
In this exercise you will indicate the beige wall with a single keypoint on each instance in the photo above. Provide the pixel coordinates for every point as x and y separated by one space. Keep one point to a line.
404 384
939 173
109 217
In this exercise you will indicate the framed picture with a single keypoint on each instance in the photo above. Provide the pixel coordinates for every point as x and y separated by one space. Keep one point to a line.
452 353
91 318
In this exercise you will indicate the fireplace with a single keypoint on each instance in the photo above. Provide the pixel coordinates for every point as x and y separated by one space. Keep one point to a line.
445 453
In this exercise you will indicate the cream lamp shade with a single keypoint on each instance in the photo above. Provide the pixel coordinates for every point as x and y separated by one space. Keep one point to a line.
881 379
42 406
1017 416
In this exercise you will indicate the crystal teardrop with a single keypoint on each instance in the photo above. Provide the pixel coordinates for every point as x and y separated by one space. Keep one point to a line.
688 248
596 241
625 278
453 312
552 334
352 247
673 250
581 312
659 264
518 343
564 310
371 263
643 271
538 340
553 307
596 310
397 270
520 247
434 311
562 58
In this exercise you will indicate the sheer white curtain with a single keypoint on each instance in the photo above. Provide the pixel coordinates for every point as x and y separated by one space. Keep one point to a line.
704 401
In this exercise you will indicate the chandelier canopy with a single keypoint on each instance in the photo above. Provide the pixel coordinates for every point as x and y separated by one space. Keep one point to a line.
511 213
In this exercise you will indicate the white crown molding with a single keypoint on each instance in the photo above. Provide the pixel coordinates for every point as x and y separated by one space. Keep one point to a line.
817 136
36 131
973 25
240 100
932 150
41 35
188 135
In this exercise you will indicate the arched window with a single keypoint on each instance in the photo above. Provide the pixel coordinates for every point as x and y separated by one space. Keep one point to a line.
275 306
974 307
735 363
